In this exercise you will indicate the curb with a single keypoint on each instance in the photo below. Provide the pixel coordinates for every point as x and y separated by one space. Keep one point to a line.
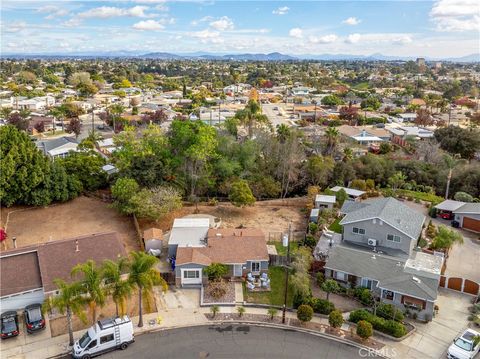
259 324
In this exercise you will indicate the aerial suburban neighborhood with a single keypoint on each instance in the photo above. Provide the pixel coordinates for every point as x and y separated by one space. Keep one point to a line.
198 186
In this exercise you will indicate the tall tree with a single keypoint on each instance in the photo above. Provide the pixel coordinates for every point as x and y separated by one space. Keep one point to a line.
450 162
332 135
74 126
144 276
115 285
252 115
241 194
91 281
68 301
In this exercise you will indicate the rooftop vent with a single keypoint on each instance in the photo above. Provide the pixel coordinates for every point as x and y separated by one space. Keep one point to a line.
416 280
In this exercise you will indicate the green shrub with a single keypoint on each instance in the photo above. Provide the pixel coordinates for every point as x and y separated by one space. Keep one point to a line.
389 311
335 319
299 299
389 327
422 242
320 279
305 313
322 306
364 295
364 329
216 271
309 241
313 227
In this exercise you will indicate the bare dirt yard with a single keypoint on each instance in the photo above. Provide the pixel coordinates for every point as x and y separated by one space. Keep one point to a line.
272 217
80 216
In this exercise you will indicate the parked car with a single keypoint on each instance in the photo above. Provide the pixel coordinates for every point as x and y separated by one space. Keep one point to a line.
465 346
34 319
106 335
9 321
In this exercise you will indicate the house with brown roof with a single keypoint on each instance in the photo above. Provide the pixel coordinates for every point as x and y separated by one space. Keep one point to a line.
242 250
28 273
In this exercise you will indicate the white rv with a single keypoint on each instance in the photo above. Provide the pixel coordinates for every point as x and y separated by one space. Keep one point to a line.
104 336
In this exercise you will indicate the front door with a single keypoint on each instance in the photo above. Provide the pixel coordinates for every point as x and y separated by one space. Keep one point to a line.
237 270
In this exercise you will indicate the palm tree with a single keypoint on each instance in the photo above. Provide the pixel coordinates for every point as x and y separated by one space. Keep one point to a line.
68 301
332 135
92 285
451 162
144 276
347 154
251 114
57 113
116 110
119 288
283 132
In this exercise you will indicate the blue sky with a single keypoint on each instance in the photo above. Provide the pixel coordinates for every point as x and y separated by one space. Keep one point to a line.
440 28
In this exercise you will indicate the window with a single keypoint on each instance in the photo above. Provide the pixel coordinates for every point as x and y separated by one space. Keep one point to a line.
191 274
367 283
358 230
92 344
255 267
387 294
106 338
393 238
341 276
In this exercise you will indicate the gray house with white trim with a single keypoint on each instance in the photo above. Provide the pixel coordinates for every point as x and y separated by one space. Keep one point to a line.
377 252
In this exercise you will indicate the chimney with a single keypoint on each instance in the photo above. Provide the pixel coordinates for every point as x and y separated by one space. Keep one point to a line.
76 246
14 240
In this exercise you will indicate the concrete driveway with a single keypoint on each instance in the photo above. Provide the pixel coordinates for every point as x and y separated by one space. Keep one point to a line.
432 340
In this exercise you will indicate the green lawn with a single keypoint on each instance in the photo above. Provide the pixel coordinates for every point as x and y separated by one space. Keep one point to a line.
335 226
281 250
277 292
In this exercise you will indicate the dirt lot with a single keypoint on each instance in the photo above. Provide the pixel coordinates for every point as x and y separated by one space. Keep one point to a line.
270 216
58 326
80 216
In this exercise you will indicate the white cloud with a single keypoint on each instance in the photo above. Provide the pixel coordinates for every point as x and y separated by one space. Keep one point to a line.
456 15
73 22
208 36
281 10
352 21
104 12
353 38
296 32
327 39
380 38
53 11
16 26
148 25
222 24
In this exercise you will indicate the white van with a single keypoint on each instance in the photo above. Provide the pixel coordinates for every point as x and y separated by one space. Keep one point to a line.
104 336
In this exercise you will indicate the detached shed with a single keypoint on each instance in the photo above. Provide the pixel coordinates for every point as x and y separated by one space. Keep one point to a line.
314 213
324 201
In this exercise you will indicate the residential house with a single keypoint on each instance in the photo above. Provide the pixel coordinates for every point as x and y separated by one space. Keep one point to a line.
400 134
242 250
465 215
378 251
33 104
28 273
187 232
407 117
58 147
365 135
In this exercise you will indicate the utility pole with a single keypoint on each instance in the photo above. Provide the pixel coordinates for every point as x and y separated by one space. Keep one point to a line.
93 120
286 273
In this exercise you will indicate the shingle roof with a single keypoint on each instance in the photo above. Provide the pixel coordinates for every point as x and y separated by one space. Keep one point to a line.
51 260
227 246
469 208
20 273
390 211
449 205
55 143
388 271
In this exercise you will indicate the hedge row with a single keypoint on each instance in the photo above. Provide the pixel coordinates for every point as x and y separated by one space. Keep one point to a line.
321 306
389 327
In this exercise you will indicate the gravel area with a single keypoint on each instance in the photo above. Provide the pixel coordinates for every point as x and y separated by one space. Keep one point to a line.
229 296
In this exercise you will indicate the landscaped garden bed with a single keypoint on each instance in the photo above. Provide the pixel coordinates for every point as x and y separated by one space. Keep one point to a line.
228 288
277 293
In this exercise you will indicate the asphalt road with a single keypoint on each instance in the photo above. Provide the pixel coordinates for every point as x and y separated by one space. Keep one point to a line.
234 341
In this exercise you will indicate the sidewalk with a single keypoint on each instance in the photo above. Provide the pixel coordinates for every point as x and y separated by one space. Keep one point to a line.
168 318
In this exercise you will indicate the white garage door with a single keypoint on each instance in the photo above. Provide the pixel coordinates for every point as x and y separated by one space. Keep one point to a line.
191 276
18 302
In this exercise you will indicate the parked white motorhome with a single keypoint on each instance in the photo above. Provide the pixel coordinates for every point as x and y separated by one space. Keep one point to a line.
104 336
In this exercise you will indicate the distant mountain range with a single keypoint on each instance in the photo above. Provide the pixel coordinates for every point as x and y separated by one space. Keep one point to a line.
274 56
